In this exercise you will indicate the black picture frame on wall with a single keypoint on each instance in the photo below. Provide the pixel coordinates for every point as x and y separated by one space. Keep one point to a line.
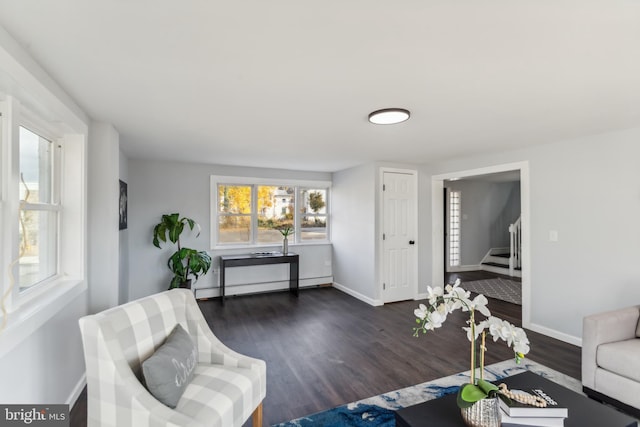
123 205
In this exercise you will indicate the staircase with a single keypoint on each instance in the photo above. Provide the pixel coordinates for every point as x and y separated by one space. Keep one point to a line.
506 261
497 261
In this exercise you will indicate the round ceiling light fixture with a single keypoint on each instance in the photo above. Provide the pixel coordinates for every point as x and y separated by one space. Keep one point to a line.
389 116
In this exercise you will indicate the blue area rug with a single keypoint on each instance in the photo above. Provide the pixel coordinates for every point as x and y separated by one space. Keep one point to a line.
378 411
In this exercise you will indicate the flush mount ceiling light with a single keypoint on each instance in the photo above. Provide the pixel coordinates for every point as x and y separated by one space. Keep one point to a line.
389 116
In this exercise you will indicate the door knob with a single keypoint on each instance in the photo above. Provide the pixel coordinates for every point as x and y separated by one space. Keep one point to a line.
412 242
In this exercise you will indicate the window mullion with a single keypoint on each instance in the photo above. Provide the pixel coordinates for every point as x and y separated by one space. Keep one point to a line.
296 215
57 173
24 206
254 214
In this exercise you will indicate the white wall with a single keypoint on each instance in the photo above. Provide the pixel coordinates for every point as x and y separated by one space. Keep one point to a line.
356 229
588 190
157 188
46 365
353 214
123 241
104 192
487 210
506 210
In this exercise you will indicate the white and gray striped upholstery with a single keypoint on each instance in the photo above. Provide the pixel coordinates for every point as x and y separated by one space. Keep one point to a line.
226 389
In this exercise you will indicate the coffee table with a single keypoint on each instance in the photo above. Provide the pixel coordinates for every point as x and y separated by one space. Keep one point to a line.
583 412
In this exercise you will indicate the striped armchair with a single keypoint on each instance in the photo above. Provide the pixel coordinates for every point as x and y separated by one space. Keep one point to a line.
227 387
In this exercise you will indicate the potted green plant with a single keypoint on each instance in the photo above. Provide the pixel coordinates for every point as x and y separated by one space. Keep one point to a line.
477 399
185 262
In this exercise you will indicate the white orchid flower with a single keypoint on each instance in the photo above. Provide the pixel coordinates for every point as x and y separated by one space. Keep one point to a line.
479 303
440 304
437 317
421 312
434 293
477 330
458 297
521 348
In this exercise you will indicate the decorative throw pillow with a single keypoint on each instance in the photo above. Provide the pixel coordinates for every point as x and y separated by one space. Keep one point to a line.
168 371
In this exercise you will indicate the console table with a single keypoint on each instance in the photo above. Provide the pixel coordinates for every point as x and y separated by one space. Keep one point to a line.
244 260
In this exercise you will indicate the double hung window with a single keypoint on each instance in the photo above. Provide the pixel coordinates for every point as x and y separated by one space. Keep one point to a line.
39 208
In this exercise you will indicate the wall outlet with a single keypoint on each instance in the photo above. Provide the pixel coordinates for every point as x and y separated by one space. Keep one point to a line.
553 235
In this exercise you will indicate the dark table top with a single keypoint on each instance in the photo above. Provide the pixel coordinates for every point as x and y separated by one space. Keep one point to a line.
258 255
583 412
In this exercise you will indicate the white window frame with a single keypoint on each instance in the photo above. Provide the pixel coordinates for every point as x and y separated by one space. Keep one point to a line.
254 183
52 206
457 238
26 311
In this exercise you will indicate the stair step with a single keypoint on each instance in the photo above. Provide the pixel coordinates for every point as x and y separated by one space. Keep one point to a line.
507 255
497 264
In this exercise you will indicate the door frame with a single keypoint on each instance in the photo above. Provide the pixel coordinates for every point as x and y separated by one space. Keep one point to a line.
379 230
437 226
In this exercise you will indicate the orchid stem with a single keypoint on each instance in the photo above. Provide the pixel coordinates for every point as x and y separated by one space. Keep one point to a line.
473 348
482 356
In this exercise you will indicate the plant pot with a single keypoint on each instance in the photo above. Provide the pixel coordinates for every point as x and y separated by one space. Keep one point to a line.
285 246
186 284
483 413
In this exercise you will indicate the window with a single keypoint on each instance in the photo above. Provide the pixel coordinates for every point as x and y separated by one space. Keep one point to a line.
39 208
454 228
234 213
313 213
43 177
249 212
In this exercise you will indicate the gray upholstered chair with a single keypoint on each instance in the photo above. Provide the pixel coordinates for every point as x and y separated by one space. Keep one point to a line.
611 358
227 387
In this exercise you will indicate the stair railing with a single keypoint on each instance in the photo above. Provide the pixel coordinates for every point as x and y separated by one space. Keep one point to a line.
515 253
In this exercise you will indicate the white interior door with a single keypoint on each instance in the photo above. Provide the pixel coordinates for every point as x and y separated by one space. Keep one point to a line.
399 267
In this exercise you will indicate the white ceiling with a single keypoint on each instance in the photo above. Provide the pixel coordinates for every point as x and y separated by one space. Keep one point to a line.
289 83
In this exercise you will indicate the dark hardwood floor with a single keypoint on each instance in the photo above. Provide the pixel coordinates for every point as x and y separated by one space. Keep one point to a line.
468 276
326 348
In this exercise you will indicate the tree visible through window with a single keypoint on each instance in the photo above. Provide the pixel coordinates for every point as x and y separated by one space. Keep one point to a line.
275 212
255 214
313 213
234 213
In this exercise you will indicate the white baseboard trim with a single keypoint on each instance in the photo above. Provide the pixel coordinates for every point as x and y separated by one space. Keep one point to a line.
254 288
357 295
555 334
461 268
77 390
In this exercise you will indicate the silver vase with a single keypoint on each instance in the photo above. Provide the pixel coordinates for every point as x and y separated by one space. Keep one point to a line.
285 246
483 413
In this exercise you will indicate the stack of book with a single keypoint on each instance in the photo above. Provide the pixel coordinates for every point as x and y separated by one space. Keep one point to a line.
518 414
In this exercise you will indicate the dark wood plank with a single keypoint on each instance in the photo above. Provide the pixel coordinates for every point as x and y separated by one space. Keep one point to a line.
327 348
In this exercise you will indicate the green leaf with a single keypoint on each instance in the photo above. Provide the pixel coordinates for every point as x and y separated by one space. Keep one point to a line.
460 400
175 232
175 282
472 393
185 262
486 386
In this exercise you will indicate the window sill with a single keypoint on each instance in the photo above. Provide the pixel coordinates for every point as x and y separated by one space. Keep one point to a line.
272 246
36 310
